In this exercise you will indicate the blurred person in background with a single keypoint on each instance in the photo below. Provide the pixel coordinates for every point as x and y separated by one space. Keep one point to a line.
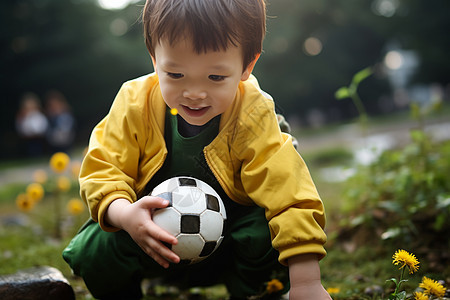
31 125
61 130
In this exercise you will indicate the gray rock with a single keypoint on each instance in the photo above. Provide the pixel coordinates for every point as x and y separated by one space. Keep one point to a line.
35 284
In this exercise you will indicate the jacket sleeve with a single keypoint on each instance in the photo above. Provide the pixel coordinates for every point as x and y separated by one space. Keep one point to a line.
109 170
275 177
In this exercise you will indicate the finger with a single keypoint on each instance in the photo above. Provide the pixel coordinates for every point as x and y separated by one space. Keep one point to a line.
154 202
161 253
157 257
161 234
161 241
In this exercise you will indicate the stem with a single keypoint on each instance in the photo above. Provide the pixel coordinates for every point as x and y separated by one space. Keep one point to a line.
362 114
57 199
359 105
400 282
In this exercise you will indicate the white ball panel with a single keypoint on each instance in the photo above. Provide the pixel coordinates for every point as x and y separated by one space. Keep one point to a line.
168 219
211 225
189 200
189 246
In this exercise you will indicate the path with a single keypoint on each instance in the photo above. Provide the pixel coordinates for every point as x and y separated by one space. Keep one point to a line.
380 136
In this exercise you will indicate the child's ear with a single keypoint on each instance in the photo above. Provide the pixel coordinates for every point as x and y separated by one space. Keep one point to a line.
249 69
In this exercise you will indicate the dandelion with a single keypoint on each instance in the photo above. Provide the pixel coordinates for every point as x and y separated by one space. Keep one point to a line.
174 111
35 192
63 183
432 287
274 286
420 296
59 162
333 290
40 176
75 206
24 203
406 259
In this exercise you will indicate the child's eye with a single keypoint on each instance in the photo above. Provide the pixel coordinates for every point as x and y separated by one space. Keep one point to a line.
175 75
216 77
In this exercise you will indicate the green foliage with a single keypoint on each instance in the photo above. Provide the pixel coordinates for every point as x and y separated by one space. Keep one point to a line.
404 196
329 156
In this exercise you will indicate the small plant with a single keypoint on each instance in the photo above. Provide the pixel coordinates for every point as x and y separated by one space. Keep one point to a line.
405 260
429 287
351 91
56 188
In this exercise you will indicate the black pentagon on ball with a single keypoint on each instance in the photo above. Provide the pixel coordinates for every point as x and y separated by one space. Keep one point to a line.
208 248
212 203
190 224
187 181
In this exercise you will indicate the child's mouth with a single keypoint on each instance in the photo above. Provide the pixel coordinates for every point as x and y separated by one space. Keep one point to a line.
195 111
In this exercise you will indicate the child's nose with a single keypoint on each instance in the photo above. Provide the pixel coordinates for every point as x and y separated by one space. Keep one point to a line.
194 94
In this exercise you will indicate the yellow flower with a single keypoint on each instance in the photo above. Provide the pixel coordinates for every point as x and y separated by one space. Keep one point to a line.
406 259
63 183
420 296
35 192
40 176
75 206
274 286
174 111
59 162
432 287
333 290
24 203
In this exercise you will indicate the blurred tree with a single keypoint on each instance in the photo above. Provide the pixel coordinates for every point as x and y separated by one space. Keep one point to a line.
72 46
312 48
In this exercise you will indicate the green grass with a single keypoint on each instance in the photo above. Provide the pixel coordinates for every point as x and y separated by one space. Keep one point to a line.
31 244
8 193
351 269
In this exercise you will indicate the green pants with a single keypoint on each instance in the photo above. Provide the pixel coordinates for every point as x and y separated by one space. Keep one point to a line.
113 265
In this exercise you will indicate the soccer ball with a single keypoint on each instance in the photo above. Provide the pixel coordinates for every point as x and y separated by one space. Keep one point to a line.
195 216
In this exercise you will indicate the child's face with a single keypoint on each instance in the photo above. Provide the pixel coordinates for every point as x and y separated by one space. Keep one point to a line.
200 86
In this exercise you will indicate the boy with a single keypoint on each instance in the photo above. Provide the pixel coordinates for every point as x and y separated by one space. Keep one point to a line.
225 133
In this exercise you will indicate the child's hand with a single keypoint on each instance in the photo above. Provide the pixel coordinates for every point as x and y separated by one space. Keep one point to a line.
136 219
311 290
304 274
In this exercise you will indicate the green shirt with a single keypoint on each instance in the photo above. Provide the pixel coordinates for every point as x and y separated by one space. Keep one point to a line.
185 156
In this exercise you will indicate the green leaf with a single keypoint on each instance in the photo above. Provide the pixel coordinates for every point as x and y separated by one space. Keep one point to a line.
401 295
393 280
361 75
342 93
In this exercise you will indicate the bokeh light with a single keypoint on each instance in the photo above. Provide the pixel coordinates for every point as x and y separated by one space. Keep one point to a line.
393 60
385 8
114 4
312 46
118 27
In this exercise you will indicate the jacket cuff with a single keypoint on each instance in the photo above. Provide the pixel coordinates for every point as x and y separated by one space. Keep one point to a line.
103 206
309 248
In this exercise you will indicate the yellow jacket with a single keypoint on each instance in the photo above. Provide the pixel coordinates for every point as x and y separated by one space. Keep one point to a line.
252 160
